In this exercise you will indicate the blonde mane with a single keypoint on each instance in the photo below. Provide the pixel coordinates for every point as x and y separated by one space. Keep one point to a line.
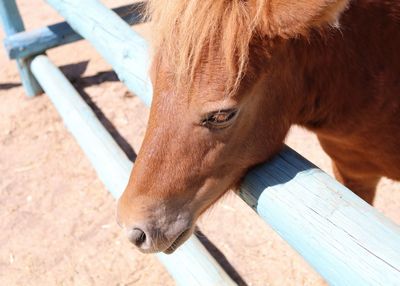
186 30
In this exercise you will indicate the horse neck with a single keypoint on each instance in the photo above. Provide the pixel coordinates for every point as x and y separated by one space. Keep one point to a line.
325 83
322 92
340 78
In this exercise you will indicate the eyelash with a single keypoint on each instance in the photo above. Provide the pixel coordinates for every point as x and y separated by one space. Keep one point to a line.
212 121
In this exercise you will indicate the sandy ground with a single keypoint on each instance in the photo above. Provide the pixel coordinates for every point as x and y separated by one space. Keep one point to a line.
56 218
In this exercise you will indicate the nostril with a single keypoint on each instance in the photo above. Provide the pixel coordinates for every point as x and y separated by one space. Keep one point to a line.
137 236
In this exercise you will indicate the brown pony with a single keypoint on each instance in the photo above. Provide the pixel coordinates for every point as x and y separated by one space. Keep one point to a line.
231 76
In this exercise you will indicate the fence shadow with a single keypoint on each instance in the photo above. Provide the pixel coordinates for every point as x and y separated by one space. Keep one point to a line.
9 85
220 257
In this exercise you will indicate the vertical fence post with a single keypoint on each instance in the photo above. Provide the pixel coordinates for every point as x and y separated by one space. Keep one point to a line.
12 24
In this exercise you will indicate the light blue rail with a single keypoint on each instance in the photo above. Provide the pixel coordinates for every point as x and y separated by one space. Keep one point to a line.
12 23
119 45
346 240
29 43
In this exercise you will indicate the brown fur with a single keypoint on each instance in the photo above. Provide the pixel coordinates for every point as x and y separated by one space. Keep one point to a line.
185 29
282 63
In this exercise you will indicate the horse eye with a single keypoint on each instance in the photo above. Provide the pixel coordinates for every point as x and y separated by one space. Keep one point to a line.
219 119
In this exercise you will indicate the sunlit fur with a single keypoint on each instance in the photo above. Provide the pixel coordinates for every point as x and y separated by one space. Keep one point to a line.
331 66
185 30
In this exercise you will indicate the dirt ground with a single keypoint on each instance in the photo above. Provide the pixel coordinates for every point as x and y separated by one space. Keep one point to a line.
57 219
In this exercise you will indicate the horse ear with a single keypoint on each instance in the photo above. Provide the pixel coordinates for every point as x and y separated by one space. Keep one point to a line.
288 18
